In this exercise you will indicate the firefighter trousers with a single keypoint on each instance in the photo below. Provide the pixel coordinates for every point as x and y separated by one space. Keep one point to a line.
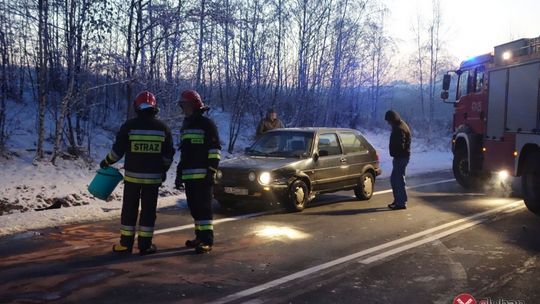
199 199
147 196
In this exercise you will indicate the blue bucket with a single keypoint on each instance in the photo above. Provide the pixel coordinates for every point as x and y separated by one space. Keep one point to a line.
105 182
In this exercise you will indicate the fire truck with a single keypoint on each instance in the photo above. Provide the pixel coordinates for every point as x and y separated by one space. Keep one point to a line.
497 117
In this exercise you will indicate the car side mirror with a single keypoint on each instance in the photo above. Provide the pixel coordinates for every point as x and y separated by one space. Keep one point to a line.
316 157
323 153
446 82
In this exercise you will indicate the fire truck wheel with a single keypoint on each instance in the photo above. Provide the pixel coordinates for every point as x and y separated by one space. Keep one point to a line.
530 181
462 173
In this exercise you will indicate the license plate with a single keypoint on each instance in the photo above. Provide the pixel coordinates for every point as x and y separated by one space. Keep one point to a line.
236 191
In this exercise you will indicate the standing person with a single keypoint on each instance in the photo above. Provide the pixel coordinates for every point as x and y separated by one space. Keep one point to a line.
400 150
199 160
147 144
270 122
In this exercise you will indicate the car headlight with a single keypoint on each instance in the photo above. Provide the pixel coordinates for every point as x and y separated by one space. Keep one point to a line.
252 176
264 178
219 174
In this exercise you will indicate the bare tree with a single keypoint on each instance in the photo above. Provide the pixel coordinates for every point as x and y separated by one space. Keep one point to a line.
42 59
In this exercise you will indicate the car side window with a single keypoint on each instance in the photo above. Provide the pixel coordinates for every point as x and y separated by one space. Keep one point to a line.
329 143
352 143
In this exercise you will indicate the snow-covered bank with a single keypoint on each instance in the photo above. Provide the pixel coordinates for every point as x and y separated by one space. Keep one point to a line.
425 157
98 210
26 185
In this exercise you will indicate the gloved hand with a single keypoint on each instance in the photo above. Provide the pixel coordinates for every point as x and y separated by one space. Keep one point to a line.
163 177
210 178
179 183
104 164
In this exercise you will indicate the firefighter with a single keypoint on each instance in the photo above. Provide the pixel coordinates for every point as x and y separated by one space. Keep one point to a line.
270 122
200 154
147 144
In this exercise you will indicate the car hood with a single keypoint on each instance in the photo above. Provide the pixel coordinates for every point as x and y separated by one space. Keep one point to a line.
261 163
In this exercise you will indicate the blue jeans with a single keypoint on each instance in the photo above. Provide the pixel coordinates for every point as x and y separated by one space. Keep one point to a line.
397 180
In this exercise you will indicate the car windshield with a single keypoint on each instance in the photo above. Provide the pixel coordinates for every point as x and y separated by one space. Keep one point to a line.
282 144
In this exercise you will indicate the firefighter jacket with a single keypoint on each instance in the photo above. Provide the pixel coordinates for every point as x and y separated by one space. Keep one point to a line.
147 145
200 149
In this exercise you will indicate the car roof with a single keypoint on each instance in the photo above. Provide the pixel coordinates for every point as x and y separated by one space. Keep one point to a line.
315 129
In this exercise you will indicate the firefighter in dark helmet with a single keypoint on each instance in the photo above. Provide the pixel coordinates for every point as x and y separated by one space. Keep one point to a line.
147 144
200 154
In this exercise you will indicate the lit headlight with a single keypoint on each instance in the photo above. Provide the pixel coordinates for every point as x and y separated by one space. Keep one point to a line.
252 176
219 174
503 175
264 178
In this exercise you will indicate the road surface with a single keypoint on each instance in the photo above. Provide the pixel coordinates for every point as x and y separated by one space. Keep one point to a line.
339 250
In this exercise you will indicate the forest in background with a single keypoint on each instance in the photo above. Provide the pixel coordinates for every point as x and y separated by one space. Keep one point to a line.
317 62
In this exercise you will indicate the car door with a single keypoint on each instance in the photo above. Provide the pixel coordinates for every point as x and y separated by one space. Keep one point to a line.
331 166
357 155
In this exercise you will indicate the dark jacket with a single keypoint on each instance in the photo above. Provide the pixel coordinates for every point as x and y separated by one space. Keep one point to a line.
147 145
266 125
400 139
200 148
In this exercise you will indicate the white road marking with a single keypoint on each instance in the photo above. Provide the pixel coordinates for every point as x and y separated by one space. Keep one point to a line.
467 223
223 220
434 237
250 215
417 186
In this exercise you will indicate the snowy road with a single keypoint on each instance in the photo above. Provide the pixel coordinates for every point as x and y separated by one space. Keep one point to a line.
338 251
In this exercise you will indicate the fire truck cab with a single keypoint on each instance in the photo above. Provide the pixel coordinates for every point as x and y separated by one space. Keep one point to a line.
497 117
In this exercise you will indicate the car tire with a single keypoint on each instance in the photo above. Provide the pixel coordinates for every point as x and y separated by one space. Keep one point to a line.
530 182
364 190
297 197
226 204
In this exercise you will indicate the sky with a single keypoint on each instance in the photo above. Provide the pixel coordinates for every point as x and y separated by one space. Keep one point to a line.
470 27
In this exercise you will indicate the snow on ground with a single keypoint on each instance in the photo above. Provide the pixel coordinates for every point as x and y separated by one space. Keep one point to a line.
26 185
424 157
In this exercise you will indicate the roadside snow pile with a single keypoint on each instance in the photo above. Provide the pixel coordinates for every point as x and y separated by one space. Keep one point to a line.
96 210
26 186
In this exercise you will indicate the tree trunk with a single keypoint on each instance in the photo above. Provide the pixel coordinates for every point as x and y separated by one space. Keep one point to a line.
43 55
200 45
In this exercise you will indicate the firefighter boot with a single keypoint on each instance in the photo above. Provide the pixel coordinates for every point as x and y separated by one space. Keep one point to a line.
150 250
203 248
193 243
119 249
126 242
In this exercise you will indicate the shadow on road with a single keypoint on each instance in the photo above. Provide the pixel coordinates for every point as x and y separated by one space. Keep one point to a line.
347 211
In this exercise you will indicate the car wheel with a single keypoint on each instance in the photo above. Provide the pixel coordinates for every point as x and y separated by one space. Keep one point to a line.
226 204
298 196
364 190
530 181
464 176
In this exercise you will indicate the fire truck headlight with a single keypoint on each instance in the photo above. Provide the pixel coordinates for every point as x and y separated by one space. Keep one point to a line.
503 175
